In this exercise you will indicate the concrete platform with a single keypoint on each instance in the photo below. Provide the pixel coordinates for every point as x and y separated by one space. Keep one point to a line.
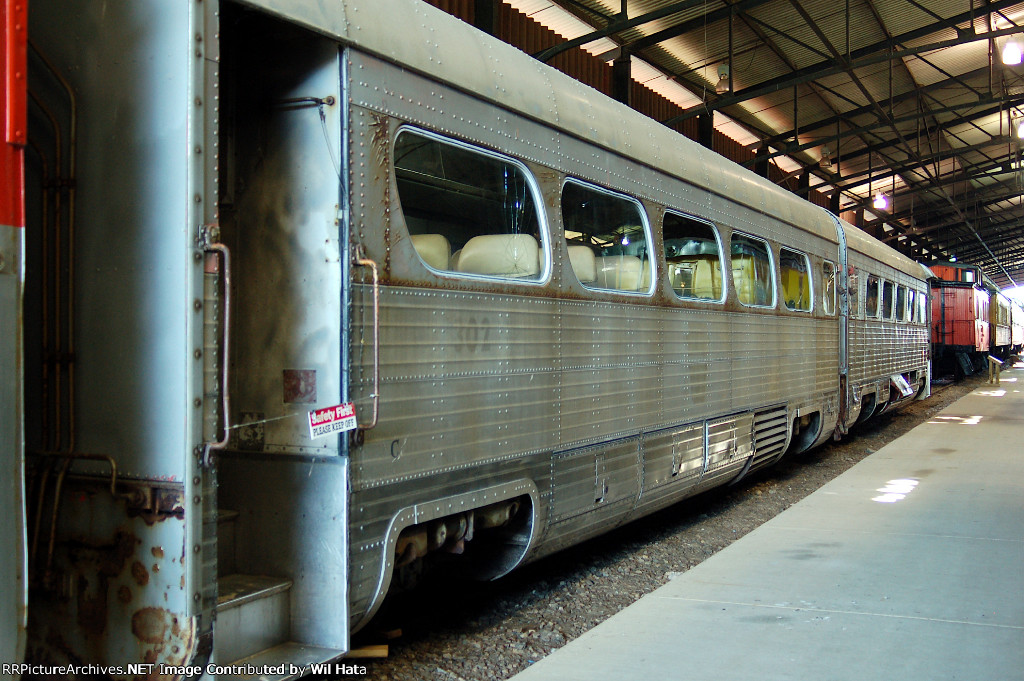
908 566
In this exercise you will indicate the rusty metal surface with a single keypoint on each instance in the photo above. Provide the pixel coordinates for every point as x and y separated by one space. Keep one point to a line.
118 581
115 591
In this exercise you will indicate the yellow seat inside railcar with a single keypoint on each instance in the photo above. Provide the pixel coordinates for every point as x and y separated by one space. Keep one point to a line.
744 279
795 289
696 278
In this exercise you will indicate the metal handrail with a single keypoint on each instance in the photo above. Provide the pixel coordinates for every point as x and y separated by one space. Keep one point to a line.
363 261
216 247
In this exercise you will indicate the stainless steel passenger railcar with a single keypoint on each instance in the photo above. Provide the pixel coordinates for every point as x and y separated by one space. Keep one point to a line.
551 315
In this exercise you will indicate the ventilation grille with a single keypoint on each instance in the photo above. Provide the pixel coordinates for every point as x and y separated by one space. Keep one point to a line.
770 431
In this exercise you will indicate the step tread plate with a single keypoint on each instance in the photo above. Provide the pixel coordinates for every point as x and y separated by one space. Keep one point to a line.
236 590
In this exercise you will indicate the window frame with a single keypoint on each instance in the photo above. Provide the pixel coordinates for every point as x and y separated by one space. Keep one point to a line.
809 274
645 222
772 274
543 227
900 310
878 296
721 257
888 284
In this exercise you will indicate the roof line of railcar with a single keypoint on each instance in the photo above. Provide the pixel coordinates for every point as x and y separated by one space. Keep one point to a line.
987 282
857 240
472 61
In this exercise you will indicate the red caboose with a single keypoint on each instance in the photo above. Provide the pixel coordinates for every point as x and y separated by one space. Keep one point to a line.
960 317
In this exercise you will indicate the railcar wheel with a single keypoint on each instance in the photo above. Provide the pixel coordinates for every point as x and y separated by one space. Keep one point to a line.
482 544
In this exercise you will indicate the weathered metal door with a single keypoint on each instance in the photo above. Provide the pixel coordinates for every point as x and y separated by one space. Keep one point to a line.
114 329
13 589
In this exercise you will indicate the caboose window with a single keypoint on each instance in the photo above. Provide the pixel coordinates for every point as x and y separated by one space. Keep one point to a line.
828 282
693 256
752 271
796 280
469 211
887 298
606 235
871 297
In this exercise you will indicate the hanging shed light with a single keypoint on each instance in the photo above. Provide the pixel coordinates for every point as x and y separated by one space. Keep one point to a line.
1012 54
723 79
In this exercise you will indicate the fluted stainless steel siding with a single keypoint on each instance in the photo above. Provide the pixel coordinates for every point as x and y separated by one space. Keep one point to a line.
881 348
489 382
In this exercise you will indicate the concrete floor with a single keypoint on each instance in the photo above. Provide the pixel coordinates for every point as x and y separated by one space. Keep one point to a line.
908 566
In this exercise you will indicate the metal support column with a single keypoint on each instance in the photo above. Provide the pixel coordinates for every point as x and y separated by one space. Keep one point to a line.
761 160
486 15
622 79
706 129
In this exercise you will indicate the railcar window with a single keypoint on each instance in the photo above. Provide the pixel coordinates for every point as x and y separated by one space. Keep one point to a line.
796 280
922 307
901 303
871 297
887 298
693 256
911 305
828 284
1002 312
468 210
752 271
606 235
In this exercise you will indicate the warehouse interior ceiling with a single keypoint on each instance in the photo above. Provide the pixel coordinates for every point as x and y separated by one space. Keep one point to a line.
909 100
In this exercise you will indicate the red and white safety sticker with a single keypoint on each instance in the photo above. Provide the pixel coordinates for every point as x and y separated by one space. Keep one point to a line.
330 420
